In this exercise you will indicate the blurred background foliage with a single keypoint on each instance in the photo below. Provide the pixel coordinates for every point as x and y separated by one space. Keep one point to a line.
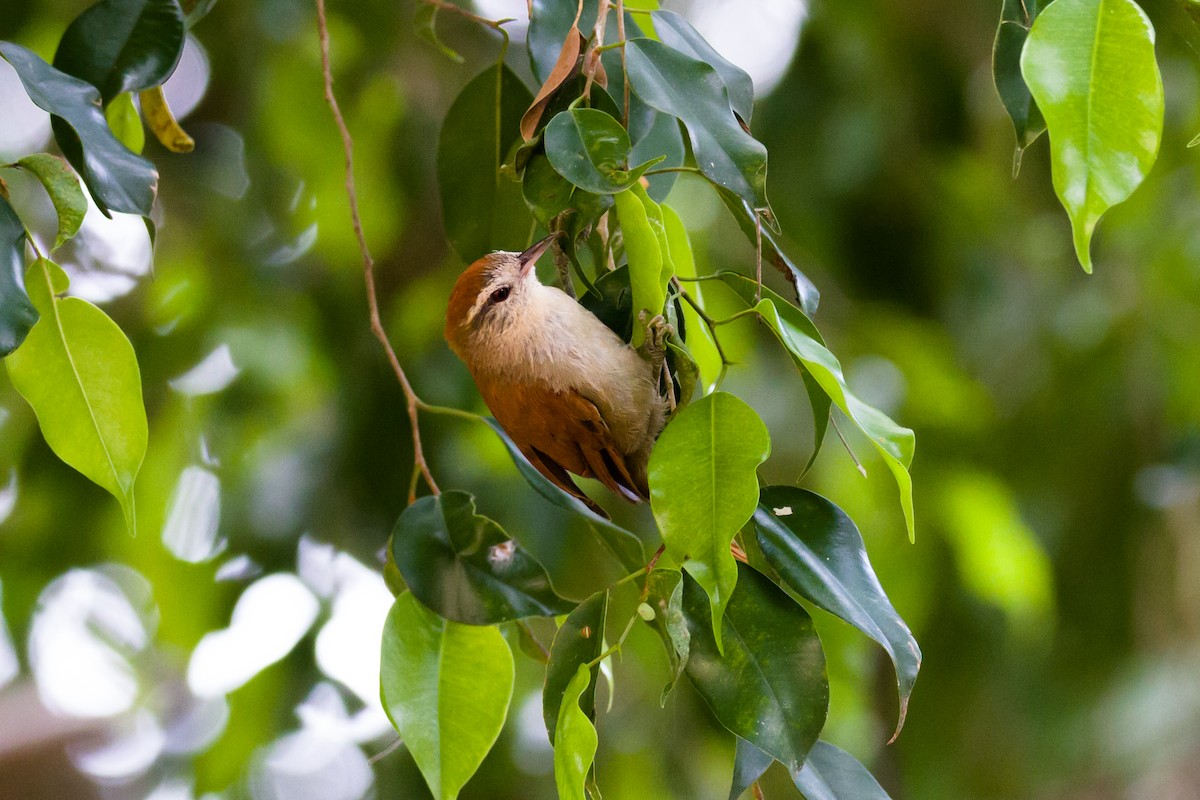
1053 583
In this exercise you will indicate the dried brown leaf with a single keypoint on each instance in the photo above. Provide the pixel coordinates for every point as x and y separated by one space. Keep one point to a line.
564 68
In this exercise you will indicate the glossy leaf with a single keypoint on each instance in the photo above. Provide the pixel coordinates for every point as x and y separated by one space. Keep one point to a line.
575 740
1016 17
661 139
749 764
773 255
123 45
564 67
80 375
547 194
797 333
1091 68
831 773
624 546
62 186
17 314
446 687
579 641
675 31
699 338
591 150
704 488
482 209
612 301
693 91
466 568
648 258
818 551
118 179
767 683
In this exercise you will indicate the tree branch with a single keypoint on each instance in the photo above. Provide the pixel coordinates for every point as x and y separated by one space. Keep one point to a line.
413 402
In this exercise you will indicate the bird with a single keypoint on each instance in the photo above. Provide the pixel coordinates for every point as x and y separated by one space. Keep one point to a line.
571 394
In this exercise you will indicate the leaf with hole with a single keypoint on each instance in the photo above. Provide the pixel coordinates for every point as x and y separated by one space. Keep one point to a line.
123 45
767 682
466 568
1091 68
79 373
579 641
446 688
118 179
704 488
818 552
17 314
482 209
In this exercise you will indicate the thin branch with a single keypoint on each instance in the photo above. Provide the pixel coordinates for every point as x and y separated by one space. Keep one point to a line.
414 403
591 61
861 469
624 68
664 170
387 751
758 237
494 24
708 321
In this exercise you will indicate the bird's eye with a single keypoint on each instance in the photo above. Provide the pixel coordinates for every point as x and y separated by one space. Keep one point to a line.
500 295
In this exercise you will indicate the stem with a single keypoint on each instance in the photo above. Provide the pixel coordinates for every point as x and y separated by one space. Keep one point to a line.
413 402
664 170
757 258
708 321
494 24
617 646
624 68
743 313
862 470
591 61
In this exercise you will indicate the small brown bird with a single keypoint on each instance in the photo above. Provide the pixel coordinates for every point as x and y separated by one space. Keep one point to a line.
572 395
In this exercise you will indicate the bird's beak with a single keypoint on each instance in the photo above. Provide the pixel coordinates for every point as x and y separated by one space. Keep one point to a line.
530 256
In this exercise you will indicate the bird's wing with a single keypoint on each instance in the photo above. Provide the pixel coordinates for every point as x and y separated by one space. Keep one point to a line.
560 432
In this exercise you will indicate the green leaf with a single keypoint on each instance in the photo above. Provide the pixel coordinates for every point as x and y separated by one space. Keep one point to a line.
446 687
806 291
80 375
482 209
797 333
675 31
699 338
579 641
693 91
125 122
466 568
591 150
664 595
1091 68
1016 17
624 546
749 764
123 45
703 488
63 187
118 179
831 773
575 741
612 301
661 139
818 551
767 683
645 258
17 314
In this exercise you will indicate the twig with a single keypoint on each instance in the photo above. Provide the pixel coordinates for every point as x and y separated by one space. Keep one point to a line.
591 61
387 751
494 24
414 403
757 259
708 321
624 68
861 469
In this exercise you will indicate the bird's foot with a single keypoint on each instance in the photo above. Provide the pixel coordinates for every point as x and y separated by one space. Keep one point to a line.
654 349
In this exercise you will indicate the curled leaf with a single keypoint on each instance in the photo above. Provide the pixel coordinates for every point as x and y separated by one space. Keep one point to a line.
564 68
162 122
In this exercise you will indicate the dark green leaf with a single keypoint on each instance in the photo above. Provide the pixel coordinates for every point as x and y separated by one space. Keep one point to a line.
704 488
482 209
446 687
624 546
196 10
17 314
123 45
675 31
612 302
796 332
579 641
575 741
831 773
547 194
806 291
466 568
769 686
117 178
1091 68
749 764
591 150
662 139
819 553
693 91
78 372
63 187
1016 17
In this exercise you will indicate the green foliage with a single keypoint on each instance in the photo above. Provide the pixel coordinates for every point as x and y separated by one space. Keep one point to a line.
589 148
17 314
1091 68
79 373
466 568
126 125
1016 18
446 687
578 643
63 187
703 489
831 773
575 740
